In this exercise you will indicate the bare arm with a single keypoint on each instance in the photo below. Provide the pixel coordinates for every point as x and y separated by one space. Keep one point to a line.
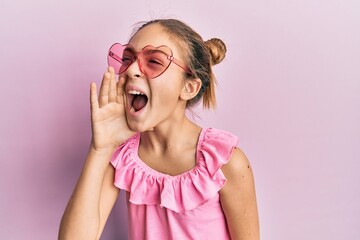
95 194
92 200
238 198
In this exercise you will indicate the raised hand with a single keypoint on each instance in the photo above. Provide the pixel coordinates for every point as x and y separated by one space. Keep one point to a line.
108 119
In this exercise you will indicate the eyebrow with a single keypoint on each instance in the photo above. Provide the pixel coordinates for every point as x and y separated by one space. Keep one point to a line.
155 50
129 49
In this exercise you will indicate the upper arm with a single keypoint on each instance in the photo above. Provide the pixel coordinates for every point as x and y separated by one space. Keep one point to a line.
238 198
108 196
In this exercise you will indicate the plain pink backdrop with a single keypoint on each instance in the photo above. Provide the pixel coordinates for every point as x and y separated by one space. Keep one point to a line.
289 88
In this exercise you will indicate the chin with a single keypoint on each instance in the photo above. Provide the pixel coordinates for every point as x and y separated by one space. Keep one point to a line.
138 127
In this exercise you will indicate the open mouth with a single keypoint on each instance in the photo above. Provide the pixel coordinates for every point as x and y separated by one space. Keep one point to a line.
137 100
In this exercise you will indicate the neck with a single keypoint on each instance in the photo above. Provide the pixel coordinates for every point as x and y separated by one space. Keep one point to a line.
165 136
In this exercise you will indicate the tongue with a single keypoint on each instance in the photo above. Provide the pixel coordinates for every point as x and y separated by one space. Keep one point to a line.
139 102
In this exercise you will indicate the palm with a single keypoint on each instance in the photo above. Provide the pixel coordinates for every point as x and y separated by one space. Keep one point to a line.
109 125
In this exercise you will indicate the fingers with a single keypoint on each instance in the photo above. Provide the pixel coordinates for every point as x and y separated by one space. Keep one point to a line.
104 89
120 90
94 104
112 89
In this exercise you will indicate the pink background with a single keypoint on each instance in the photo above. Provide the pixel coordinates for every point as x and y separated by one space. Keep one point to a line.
289 88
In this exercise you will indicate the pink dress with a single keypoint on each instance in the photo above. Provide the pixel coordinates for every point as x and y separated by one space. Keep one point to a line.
183 207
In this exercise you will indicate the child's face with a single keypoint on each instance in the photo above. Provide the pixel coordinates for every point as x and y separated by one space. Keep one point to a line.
161 101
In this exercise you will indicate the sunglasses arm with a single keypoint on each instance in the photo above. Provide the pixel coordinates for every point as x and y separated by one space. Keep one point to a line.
180 64
116 57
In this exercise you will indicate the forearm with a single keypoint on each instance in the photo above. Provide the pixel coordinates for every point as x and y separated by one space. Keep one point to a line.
81 219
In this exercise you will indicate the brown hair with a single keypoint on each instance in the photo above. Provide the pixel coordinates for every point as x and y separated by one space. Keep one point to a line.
201 56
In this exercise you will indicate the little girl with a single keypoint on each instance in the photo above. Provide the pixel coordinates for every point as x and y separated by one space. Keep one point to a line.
181 181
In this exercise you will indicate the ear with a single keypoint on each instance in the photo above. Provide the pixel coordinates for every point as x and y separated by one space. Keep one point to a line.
190 89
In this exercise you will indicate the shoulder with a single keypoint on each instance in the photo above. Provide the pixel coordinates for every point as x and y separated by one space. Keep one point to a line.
238 174
238 163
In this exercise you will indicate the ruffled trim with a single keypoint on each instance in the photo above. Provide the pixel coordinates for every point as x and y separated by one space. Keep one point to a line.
181 192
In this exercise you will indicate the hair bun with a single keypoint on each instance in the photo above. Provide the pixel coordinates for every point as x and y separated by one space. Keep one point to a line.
217 50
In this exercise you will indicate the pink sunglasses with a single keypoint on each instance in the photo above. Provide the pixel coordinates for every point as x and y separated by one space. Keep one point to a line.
153 61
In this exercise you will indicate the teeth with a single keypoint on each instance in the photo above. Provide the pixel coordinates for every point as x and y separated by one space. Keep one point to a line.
135 92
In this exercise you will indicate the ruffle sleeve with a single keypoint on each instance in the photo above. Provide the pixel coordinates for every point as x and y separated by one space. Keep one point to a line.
217 148
178 193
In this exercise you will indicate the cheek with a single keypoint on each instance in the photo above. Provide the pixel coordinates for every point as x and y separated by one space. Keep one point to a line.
169 87
167 94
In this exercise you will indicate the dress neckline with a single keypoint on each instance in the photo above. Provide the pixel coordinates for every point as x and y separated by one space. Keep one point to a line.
146 167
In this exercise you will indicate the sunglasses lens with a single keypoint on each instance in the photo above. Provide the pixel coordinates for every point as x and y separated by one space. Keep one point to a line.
115 57
155 60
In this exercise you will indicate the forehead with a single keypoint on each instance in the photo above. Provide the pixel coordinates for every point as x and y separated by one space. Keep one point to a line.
155 35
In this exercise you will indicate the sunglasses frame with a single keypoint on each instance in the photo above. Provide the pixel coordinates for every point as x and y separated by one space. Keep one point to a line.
136 58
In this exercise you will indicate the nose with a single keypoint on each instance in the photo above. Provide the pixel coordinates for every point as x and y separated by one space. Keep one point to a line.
135 69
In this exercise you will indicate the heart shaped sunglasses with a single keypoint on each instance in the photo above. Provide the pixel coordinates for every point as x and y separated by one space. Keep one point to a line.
153 61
